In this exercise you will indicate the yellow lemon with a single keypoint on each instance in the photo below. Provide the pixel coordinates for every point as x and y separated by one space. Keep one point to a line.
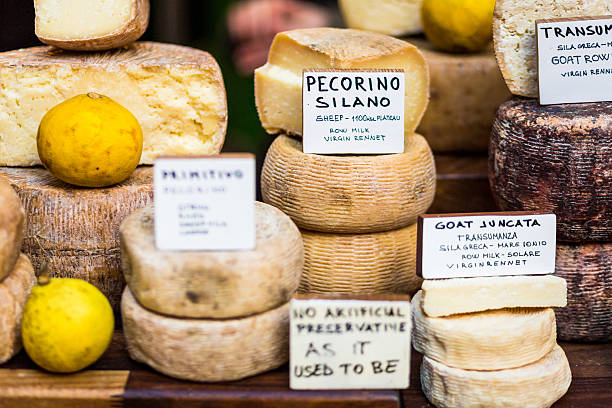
67 325
458 25
90 141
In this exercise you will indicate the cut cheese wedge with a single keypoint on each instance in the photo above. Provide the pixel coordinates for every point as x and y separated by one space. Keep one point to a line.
514 35
176 93
491 340
90 25
76 230
12 218
14 292
206 350
213 284
392 17
587 269
383 262
349 194
278 84
536 385
444 297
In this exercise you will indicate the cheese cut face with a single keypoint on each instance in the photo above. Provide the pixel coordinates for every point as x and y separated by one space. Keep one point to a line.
349 194
176 93
12 219
206 350
445 297
537 385
278 84
14 292
213 284
392 17
90 25
383 262
514 35
491 340
466 90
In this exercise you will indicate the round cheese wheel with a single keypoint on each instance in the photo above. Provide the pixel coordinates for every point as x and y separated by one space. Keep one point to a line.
206 350
555 159
14 292
76 230
536 385
466 90
383 262
213 284
491 340
11 227
588 271
349 194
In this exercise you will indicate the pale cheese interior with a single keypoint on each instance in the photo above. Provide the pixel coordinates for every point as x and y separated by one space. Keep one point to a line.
393 17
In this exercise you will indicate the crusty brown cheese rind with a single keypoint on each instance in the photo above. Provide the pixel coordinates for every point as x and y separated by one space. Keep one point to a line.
12 218
555 159
213 284
206 350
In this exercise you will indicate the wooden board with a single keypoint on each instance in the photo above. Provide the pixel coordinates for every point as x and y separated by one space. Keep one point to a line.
117 382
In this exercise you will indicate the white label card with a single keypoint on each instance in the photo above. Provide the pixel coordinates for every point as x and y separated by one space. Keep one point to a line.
353 111
575 60
500 244
349 344
205 203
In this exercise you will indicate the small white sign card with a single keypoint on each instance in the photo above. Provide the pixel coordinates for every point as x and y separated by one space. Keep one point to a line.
358 343
575 60
486 244
205 203
353 111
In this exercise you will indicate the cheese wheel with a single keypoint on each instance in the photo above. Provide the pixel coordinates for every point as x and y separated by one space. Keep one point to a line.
555 159
213 284
176 93
493 340
514 35
206 350
11 227
588 271
76 230
349 194
392 17
90 25
14 291
466 90
536 385
278 84
383 262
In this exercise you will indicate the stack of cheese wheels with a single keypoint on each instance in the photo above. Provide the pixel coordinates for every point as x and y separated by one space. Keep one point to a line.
557 159
16 273
357 213
176 93
491 341
210 316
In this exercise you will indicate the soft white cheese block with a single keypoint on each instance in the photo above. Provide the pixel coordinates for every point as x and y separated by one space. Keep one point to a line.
176 93
392 17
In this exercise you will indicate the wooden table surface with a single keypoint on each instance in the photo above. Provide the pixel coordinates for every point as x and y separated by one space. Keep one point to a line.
116 381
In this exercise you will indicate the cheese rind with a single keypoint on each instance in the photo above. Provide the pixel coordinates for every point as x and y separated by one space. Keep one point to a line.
514 35
392 17
14 292
383 262
445 297
491 340
213 284
90 25
206 350
176 93
349 194
12 219
278 84
537 385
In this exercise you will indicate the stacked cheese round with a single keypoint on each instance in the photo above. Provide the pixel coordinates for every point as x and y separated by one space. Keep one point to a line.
210 315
